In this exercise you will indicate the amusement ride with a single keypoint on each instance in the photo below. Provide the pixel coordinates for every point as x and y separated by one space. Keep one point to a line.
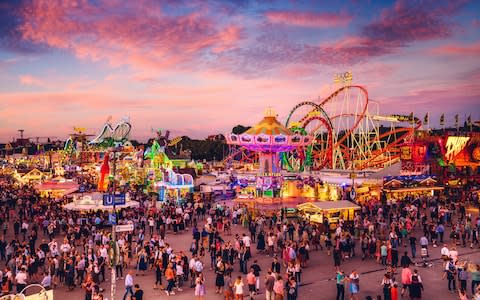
346 129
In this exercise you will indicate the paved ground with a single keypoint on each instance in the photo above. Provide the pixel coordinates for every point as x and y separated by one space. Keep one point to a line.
317 277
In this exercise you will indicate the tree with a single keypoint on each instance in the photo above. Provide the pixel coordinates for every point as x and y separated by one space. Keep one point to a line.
239 129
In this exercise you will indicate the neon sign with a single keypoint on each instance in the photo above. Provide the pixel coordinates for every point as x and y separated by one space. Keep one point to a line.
455 145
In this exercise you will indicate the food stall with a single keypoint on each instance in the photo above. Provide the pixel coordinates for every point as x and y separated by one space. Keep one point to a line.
332 210
271 206
398 187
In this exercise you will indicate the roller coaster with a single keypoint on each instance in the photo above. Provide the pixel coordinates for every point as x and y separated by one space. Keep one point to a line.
348 132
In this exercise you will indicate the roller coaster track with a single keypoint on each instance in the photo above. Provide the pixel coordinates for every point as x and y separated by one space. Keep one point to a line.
390 147
246 156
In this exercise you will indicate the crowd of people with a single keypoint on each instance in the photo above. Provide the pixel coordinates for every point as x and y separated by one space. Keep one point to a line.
41 242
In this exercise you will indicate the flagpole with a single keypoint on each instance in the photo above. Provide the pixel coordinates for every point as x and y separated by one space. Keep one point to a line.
456 123
428 122
443 124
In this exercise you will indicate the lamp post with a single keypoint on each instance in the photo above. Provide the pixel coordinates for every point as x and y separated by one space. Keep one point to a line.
114 238
352 174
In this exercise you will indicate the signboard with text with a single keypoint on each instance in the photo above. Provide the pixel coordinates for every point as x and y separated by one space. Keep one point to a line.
110 199
123 228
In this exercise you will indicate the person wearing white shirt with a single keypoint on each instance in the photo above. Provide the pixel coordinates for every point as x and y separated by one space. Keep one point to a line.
128 285
454 255
444 252
246 240
198 266
338 231
423 242
179 275
103 252
178 210
121 242
21 279
65 247
54 251
52 244
46 281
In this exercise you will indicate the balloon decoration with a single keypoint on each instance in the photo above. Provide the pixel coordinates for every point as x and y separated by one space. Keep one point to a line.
104 172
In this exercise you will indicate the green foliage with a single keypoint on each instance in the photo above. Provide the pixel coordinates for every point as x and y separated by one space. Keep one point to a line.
239 129
204 149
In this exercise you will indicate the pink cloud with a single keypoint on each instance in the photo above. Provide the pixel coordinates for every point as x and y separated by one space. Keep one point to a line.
32 81
298 71
308 19
459 97
410 21
142 36
458 50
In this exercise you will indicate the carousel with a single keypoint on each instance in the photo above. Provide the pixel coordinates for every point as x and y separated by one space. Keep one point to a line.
269 138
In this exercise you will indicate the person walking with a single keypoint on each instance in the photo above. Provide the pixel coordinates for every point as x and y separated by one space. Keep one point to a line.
451 271
228 288
406 279
238 288
463 276
256 270
415 288
269 283
475 278
170 277
413 245
200 291
251 281
387 285
21 279
138 295
279 288
128 285
292 289
340 285
354 280
384 253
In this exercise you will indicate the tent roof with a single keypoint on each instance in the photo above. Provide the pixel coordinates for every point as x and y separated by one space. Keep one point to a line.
393 170
328 205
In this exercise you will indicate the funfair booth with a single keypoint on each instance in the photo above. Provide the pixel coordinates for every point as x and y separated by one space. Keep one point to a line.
333 211
174 186
396 188
57 187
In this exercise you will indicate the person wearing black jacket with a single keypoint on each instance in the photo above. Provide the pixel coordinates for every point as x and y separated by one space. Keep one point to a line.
256 271
415 288
405 261
276 266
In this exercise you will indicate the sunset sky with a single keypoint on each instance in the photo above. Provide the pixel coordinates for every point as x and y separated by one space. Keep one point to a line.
200 67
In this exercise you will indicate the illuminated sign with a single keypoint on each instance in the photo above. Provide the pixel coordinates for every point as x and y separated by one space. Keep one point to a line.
406 153
346 77
454 146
